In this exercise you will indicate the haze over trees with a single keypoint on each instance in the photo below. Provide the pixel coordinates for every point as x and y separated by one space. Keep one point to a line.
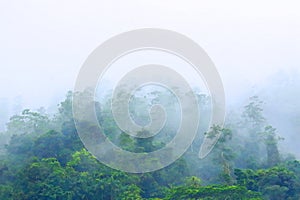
42 157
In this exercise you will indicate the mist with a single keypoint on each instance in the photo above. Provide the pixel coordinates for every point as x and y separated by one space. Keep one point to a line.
254 45
255 48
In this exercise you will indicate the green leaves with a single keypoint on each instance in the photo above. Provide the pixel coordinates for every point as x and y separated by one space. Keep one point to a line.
28 122
216 192
44 164
274 183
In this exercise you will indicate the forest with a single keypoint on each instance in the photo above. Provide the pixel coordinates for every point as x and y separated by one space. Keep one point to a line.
226 72
42 157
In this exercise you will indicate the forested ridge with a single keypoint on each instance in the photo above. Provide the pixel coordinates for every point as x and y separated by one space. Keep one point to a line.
42 157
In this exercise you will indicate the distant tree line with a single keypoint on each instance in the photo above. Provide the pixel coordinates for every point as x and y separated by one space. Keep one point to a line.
42 157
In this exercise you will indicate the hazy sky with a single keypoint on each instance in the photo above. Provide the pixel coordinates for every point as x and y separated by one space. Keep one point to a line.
44 43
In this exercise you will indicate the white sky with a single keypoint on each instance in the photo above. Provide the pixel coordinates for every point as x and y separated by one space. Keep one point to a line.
44 43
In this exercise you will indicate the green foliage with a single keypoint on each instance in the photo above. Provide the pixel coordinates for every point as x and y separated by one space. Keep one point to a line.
28 122
252 114
274 183
193 181
216 192
45 159
222 154
258 140
270 139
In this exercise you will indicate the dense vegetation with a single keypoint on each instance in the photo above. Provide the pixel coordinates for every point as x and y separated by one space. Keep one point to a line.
42 157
